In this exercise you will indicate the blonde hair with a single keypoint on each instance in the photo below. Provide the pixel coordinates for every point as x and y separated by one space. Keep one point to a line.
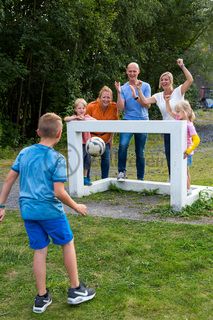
186 107
169 74
77 102
105 88
80 101
49 124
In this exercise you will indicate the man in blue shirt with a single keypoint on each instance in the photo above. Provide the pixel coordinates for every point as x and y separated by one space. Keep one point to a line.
133 110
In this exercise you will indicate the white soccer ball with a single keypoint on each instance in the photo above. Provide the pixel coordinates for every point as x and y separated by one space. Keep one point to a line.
95 146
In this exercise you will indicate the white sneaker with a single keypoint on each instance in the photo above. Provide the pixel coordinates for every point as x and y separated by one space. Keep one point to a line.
121 175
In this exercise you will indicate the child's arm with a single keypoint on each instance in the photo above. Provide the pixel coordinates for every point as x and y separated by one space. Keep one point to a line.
193 146
168 107
70 118
9 181
62 195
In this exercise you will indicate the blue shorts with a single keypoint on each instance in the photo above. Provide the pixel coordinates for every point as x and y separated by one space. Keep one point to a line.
40 231
189 160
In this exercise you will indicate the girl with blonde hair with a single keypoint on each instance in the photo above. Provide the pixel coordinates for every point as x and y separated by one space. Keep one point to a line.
183 111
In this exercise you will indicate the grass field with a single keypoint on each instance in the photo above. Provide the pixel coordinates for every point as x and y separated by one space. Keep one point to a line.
147 271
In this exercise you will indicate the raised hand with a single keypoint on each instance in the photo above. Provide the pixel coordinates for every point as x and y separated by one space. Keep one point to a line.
138 84
180 62
118 86
133 90
167 97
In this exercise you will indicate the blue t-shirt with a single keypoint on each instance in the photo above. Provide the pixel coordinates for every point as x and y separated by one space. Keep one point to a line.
133 109
39 167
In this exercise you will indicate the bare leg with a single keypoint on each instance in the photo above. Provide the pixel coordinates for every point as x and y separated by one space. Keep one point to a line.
70 262
39 269
188 179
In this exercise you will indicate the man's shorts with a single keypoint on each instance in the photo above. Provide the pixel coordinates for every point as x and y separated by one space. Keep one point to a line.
189 160
40 231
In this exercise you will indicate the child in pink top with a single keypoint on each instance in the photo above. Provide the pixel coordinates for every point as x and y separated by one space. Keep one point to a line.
80 114
183 111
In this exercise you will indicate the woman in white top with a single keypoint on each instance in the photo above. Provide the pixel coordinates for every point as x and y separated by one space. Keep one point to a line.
176 95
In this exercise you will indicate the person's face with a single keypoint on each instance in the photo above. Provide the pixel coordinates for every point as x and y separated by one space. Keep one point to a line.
80 110
132 72
181 114
165 82
105 98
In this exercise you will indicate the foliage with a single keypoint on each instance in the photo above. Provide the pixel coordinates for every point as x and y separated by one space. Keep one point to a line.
52 52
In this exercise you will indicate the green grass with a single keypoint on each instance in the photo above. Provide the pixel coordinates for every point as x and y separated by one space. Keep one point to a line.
147 271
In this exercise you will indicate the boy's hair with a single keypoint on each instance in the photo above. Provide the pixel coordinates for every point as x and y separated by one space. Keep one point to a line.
167 73
185 106
79 101
105 88
49 124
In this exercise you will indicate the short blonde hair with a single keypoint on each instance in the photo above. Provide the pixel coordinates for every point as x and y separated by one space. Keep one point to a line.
49 124
80 101
185 106
105 88
167 73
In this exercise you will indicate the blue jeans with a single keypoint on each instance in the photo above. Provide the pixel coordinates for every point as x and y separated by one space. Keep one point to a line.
140 141
167 150
105 163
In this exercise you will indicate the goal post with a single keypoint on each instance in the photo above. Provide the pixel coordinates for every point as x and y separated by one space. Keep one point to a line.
177 188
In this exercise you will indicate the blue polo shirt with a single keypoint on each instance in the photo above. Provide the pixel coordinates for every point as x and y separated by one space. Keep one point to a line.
39 167
133 109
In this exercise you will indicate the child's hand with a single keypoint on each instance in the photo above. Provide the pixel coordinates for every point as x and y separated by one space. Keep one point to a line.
70 118
185 155
167 97
180 62
2 214
139 84
82 209
80 117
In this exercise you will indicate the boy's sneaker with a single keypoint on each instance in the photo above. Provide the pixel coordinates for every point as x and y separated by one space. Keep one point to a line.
121 175
79 295
87 181
42 302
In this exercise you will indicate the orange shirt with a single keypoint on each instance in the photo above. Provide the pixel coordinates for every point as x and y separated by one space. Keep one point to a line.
95 110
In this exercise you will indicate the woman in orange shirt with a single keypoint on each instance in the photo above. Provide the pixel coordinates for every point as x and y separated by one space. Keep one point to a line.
104 109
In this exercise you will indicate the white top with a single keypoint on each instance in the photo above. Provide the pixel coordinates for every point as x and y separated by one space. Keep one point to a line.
176 97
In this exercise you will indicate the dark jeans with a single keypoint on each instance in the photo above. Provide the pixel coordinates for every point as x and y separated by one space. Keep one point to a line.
167 150
105 163
86 159
140 141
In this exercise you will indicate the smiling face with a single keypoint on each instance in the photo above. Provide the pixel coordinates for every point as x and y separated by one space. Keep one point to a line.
132 72
165 82
105 98
80 109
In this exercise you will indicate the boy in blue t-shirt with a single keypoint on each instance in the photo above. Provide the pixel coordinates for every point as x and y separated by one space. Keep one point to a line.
42 173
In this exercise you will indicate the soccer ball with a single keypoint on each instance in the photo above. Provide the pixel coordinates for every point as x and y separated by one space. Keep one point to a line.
95 146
